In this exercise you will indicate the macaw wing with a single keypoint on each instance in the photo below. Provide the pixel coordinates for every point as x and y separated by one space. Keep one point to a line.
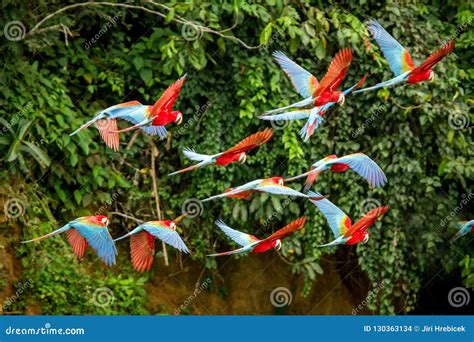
398 58
169 96
142 250
287 230
303 81
366 221
240 238
155 130
364 167
294 115
166 234
251 142
98 238
355 86
338 221
108 132
435 57
336 72
77 242
279 190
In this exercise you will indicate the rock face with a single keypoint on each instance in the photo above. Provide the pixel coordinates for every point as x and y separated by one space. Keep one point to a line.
260 284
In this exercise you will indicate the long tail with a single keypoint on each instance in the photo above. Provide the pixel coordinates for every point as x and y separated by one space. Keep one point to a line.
130 233
235 251
457 236
88 123
56 232
310 126
190 168
332 243
380 85
303 103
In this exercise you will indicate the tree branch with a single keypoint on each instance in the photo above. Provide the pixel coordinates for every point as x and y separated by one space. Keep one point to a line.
178 19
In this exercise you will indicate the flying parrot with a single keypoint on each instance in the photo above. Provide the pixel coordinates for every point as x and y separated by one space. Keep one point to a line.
344 231
252 244
313 115
273 185
465 227
359 162
142 242
234 154
308 86
400 62
88 230
151 119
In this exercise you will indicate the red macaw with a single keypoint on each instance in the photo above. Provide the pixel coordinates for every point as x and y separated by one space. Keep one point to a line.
307 85
313 115
234 154
344 231
273 185
88 230
400 62
359 162
142 242
465 227
252 244
151 119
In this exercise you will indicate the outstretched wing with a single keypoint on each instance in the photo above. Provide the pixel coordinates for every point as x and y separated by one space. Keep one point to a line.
108 132
142 250
337 219
303 81
276 189
251 142
287 230
77 242
398 58
240 238
435 57
159 230
336 72
294 115
169 96
366 221
98 238
242 188
364 167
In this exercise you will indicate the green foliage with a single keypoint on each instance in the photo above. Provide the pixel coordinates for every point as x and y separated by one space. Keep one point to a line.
50 88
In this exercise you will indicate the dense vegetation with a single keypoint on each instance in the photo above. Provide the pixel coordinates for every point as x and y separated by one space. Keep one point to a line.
87 58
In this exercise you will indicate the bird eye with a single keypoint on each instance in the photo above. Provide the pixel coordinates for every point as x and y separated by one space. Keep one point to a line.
280 182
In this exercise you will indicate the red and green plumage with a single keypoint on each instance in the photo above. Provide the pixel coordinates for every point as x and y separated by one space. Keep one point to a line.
233 154
142 242
88 231
253 244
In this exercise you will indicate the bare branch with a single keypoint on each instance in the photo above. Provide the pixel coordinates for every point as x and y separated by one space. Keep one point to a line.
178 19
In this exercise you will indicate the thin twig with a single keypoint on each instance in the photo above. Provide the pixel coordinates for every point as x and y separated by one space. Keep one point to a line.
126 216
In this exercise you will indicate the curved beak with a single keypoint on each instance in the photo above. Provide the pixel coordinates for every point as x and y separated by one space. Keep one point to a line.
179 119
432 76
244 159
342 100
